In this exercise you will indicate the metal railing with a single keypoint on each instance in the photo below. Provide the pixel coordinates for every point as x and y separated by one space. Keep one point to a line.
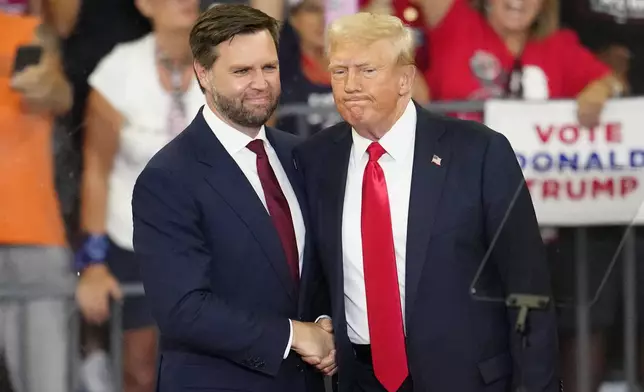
24 293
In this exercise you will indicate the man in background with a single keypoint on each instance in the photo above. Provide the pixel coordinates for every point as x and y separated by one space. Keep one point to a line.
33 249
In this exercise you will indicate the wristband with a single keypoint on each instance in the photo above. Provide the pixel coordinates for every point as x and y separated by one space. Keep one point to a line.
92 251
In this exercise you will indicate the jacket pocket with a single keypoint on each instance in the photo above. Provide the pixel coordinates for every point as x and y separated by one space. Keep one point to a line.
496 368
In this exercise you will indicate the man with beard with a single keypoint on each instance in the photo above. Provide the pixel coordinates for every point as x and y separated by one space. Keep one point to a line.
220 228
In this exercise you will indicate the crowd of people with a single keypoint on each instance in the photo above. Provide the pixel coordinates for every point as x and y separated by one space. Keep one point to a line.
113 82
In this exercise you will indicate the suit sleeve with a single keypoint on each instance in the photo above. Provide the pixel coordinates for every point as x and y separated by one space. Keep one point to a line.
520 257
175 267
320 301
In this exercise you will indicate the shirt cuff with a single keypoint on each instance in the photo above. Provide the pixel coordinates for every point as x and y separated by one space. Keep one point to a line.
324 316
290 339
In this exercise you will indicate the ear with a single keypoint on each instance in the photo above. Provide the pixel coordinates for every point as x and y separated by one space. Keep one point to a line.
203 75
407 75
145 7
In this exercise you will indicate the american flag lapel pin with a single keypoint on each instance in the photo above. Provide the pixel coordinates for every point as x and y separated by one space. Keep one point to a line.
436 160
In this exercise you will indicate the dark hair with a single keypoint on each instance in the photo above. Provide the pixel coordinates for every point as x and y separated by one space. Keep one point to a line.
222 23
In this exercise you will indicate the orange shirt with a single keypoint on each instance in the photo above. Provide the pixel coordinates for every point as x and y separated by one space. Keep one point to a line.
29 210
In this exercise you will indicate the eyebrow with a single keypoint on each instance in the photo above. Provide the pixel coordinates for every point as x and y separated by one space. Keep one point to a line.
268 64
360 65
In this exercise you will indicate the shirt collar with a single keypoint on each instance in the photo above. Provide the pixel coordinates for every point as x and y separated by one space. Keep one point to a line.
232 139
397 141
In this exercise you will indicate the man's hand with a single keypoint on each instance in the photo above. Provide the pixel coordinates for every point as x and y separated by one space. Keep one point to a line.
95 289
313 343
328 364
43 87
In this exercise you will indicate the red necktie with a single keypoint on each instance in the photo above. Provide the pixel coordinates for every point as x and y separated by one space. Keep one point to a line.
381 277
277 208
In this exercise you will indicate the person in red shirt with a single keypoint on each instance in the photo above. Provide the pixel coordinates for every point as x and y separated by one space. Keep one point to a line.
477 48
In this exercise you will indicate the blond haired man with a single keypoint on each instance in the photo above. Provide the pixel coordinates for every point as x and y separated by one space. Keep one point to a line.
406 205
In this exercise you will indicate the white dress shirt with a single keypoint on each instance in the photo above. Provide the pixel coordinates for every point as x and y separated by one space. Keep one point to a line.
235 143
397 165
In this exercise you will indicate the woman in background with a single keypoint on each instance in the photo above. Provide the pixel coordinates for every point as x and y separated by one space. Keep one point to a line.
476 47
304 73
142 95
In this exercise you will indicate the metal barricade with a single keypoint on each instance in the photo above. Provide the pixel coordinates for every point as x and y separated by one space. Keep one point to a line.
24 293
116 332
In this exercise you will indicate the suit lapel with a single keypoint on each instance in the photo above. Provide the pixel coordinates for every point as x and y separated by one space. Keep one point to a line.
426 189
227 179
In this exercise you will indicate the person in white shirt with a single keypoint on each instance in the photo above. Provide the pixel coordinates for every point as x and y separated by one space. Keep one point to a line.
405 204
143 94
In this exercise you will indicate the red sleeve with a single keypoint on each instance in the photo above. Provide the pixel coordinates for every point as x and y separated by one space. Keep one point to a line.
580 66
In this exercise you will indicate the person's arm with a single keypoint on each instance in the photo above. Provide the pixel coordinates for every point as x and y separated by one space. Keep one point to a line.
175 265
585 78
618 58
44 87
379 7
60 14
320 301
435 10
102 127
321 298
591 100
519 255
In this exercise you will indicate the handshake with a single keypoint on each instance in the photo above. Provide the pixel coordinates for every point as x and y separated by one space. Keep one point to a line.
314 343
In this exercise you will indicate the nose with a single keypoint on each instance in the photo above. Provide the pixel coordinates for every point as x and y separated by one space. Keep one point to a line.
259 81
352 83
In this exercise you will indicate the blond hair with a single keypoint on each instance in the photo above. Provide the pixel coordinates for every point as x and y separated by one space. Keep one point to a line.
365 29
546 23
